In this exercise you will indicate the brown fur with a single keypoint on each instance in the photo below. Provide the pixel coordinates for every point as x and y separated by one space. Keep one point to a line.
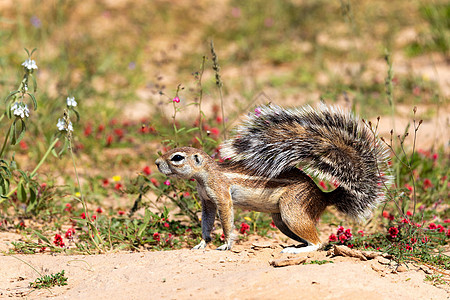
292 198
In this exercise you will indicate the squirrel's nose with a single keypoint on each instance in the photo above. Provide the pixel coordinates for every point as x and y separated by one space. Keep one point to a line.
158 161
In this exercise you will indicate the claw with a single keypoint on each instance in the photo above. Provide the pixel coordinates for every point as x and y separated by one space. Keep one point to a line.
224 247
202 245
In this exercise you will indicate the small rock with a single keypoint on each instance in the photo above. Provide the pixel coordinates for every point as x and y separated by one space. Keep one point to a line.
287 262
376 267
257 246
402 269
383 261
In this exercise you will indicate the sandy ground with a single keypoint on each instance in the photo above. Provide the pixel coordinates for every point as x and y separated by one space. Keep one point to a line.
244 273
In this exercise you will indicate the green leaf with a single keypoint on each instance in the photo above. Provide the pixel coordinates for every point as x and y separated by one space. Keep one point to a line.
147 218
10 95
192 129
12 133
34 84
77 114
22 129
34 100
42 237
21 193
33 196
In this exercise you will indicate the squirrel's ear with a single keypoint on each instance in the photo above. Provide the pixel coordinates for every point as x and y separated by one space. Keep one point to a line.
198 160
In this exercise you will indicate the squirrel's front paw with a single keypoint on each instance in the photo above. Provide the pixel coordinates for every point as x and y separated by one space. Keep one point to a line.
202 245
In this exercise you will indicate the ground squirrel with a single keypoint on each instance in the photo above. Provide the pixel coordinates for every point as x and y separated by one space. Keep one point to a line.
259 171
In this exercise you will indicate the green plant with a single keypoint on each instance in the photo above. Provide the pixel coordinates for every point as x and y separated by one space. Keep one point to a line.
49 281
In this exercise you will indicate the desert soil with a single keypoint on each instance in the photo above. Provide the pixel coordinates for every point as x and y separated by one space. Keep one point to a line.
243 273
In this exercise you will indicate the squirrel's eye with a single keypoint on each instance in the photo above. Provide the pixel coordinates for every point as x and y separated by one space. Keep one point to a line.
177 157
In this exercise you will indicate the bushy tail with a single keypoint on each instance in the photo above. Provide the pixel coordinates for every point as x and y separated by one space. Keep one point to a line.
330 143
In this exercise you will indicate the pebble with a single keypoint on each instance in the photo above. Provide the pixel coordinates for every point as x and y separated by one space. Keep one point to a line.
402 269
383 261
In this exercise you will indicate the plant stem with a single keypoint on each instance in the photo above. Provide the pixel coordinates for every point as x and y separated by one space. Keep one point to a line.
5 142
200 97
91 226
50 148
44 157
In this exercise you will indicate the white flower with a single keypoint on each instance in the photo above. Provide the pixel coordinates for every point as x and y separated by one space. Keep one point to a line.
62 125
71 101
20 110
30 64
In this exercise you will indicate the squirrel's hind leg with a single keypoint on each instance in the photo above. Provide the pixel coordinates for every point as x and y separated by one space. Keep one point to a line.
297 222
276 217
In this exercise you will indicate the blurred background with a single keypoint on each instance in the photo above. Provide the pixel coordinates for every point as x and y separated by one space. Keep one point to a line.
125 59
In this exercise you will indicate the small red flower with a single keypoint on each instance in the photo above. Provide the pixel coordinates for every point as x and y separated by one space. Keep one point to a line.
440 228
166 225
244 228
94 217
147 171
409 214
121 212
156 236
88 130
410 188
69 233
118 186
68 207
214 131
58 240
432 226
427 183
340 230
386 214
100 128
393 231
119 133
105 182
99 210
167 182
109 140
23 145
361 232
332 238
176 99
154 181
83 215
348 233
342 238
